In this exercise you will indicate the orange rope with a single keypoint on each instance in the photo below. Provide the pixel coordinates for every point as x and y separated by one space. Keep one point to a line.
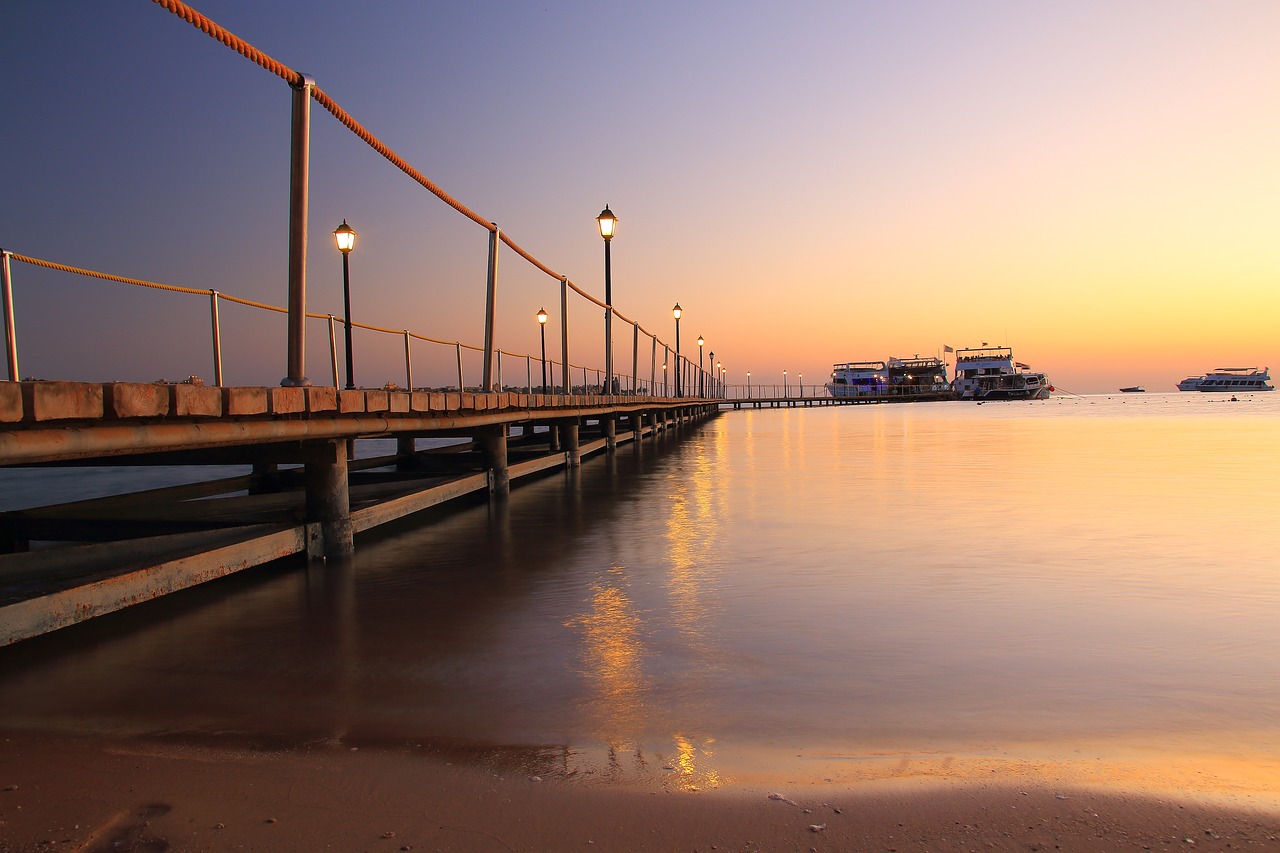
64 268
231 40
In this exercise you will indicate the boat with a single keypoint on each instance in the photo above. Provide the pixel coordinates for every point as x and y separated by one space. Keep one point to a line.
1233 379
990 373
858 379
917 375
1133 389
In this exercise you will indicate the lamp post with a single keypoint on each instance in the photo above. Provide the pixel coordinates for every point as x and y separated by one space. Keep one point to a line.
676 312
608 227
715 380
711 386
748 384
345 237
784 383
724 378
542 329
701 390
664 379
801 375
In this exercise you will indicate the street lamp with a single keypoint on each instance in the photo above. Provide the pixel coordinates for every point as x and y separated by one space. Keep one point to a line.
801 384
701 391
345 237
748 384
676 312
784 383
542 329
724 377
608 227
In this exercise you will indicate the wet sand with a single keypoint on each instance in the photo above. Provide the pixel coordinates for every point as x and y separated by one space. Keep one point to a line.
95 794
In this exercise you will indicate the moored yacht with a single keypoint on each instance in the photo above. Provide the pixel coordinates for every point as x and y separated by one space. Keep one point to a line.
1235 379
990 373
858 379
917 375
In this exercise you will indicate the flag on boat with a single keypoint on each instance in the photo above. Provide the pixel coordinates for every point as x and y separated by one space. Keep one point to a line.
1023 366
946 348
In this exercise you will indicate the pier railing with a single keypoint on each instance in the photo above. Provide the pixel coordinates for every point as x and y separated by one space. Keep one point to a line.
657 368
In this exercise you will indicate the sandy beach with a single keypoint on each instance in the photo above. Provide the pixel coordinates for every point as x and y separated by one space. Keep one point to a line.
95 794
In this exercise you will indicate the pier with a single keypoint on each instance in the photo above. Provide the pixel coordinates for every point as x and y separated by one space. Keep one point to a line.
306 494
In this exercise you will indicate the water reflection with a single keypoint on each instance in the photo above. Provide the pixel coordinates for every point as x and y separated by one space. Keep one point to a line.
894 588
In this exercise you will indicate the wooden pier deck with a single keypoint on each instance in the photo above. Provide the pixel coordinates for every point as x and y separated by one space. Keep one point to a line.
306 494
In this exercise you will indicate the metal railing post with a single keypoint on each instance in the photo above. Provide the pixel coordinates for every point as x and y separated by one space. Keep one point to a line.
408 362
528 374
635 359
333 351
10 331
653 367
458 347
564 333
498 374
491 307
299 168
217 338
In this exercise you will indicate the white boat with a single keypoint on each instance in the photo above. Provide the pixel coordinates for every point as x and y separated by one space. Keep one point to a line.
858 379
990 373
1233 379
917 375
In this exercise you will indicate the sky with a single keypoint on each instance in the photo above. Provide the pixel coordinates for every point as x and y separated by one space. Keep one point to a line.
1093 183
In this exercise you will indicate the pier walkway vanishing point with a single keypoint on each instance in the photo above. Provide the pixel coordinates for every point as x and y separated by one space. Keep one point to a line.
305 494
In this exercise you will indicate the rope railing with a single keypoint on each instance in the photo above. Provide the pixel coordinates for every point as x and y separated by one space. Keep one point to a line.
218 295
681 367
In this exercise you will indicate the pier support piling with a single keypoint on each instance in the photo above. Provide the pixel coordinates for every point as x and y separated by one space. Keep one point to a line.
610 433
493 441
573 453
328 497
405 448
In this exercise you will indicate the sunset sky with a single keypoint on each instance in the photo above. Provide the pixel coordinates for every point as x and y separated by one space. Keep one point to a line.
1095 183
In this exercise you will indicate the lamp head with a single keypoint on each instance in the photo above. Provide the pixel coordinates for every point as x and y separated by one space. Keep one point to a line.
542 316
700 341
345 236
676 311
608 223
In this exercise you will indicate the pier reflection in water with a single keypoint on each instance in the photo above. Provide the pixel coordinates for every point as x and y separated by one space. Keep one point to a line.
898 584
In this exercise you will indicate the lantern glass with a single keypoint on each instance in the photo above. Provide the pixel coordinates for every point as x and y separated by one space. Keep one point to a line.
542 316
345 236
676 311
608 223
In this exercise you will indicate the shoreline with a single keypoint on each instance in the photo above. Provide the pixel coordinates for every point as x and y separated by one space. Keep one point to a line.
91 793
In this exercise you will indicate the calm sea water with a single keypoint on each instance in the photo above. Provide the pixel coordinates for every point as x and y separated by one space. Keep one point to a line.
776 590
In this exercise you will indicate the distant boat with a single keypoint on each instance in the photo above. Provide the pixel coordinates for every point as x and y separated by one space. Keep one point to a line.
1134 389
1229 379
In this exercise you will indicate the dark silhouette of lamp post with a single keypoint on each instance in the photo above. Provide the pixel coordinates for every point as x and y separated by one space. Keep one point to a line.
346 240
801 384
711 387
608 227
748 384
542 329
701 390
676 312
784 383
